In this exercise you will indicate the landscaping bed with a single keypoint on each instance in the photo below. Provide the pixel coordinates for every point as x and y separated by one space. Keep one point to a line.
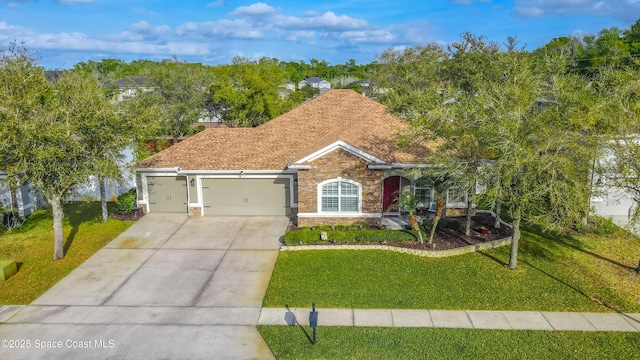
449 235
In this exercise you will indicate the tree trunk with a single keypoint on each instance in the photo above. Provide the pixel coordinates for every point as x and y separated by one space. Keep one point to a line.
513 256
58 214
467 223
498 209
103 199
415 226
13 221
436 218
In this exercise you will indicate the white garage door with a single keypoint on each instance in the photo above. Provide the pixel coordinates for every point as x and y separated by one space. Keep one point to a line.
246 196
167 194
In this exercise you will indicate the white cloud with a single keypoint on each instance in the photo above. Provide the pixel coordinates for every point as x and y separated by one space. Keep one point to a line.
328 21
259 27
5 26
143 31
622 9
222 29
257 9
374 36
413 32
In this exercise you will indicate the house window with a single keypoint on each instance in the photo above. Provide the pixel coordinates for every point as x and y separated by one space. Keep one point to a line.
456 197
340 196
423 192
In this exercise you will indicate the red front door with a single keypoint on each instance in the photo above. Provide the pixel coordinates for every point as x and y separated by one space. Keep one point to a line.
390 190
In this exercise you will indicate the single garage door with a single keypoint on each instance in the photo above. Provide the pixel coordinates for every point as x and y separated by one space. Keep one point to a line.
167 194
246 196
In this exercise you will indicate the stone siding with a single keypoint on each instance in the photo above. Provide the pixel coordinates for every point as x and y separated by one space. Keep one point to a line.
195 211
338 163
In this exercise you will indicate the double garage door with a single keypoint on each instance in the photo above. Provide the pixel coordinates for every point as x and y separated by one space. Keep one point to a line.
222 197
246 196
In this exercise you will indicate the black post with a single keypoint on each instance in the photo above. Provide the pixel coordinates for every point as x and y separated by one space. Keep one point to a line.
313 321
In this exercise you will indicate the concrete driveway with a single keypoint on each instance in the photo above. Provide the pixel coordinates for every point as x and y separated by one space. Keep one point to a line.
170 287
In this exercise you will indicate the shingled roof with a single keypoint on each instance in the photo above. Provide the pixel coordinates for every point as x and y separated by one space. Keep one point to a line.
338 115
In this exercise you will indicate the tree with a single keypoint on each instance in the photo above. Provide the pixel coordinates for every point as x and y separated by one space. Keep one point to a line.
542 142
177 90
49 130
408 82
437 92
245 93
632 38
526 128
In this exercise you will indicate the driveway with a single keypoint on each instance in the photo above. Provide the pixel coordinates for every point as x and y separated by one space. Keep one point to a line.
170 287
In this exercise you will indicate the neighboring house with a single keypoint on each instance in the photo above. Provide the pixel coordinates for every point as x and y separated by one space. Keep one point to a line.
113 188
25 196
130 85
286 89
607 199
316 82
332 160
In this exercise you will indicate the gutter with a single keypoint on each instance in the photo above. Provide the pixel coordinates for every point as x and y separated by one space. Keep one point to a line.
230 172
173 169
300 167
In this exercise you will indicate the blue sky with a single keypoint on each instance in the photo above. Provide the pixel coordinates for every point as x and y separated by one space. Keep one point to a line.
65 32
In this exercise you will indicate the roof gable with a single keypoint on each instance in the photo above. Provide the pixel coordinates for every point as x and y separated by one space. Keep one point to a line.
343 146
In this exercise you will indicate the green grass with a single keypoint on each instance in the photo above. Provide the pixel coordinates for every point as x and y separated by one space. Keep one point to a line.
292 342
555 273
32 247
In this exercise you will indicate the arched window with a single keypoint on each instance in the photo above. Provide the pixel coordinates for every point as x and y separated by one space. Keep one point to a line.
339 196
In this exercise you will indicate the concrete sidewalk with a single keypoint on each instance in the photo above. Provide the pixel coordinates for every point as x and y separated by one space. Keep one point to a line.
472 319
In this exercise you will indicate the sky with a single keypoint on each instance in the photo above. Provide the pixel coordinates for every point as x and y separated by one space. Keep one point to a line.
66 32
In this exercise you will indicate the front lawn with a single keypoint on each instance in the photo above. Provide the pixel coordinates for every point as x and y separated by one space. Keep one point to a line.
555 273
32 247
291 342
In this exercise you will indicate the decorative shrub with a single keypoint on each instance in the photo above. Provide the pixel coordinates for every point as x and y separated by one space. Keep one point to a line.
312 236
126 202
598 225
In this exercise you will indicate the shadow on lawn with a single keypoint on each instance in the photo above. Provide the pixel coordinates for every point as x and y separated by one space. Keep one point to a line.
548 245
291 320
77 213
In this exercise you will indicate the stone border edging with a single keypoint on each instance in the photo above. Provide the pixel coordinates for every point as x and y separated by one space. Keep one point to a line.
424 253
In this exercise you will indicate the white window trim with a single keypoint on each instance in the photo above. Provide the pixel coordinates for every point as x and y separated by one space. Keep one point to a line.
432 192
319 197
462 204
339 145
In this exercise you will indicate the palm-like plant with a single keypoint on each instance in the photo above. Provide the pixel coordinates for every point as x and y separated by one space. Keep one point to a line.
408 203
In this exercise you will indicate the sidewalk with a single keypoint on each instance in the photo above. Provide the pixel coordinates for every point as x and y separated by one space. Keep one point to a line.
472 319
7 311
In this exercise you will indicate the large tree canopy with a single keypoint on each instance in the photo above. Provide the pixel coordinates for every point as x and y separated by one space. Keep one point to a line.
51 131
525 127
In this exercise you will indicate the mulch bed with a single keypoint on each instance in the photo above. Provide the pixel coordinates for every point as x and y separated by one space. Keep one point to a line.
450 239
134 215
